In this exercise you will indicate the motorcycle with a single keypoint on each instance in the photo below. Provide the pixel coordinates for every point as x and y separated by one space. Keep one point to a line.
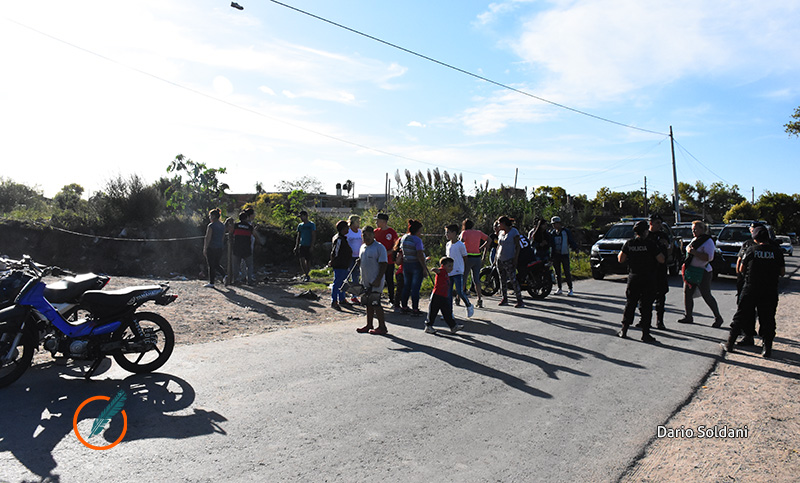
537 278
138 341
64 294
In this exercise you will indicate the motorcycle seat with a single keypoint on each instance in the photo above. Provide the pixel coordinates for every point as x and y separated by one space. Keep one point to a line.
70 288
112 299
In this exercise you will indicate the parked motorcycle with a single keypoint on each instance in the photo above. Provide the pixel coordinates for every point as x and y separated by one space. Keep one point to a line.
537 279
64 294
138 341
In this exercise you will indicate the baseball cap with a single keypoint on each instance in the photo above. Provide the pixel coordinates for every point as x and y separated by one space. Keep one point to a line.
555 219
760 233
640 227
656 217
382 216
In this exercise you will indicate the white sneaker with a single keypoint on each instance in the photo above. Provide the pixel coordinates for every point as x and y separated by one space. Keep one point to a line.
558 292
209 285
429 329
569 294
470 311
456 328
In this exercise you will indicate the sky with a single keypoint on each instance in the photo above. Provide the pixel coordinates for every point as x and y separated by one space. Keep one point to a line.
93 90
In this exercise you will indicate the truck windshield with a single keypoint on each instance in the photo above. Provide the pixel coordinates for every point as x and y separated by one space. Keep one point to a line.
735 233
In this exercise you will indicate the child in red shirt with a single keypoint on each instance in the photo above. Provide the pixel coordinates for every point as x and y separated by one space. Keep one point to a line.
441 298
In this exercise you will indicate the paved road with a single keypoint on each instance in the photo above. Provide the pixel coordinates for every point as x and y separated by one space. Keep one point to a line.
547 393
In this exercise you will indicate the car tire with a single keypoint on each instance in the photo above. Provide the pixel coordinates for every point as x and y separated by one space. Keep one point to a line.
597 274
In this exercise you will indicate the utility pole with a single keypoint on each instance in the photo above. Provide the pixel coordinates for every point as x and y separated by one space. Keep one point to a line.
516 172
753 195
676 199
645 196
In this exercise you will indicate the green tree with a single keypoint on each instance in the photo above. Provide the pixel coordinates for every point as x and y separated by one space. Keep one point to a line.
69 197
16 195
741 211
127 201
793 127
306 184
711 202
200 192
781 210
285 214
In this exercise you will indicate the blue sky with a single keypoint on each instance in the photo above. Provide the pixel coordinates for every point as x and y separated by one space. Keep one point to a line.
93 89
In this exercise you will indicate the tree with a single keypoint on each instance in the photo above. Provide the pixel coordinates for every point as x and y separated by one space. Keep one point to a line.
69 196
16 195
741 211
126 201
306 184
780 210
793 127
711 202
202 191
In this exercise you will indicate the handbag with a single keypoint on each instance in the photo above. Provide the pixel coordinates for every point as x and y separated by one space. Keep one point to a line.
693 275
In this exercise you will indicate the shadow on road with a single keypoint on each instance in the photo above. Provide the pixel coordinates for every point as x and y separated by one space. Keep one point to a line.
38 412
461 362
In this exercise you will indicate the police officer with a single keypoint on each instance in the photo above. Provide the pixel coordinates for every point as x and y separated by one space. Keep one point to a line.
642 255
748 326
762 265
660 237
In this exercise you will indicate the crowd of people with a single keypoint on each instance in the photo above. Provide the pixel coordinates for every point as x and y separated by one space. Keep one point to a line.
367 260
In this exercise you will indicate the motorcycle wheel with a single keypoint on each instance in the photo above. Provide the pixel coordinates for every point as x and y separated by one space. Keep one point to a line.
490 282
148 351
13 369
540 285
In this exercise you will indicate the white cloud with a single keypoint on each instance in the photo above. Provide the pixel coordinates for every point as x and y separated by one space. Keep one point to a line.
222 86
266 90
415 124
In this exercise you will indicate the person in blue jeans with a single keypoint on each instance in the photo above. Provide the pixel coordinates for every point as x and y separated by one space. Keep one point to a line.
341 255
414 267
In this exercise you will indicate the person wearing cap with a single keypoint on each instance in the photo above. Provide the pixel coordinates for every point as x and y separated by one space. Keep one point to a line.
643 256
387 237
700 253
561 242
763 266
661 239
306 238
748 326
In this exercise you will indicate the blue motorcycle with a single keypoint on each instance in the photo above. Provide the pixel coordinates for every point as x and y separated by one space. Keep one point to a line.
138 341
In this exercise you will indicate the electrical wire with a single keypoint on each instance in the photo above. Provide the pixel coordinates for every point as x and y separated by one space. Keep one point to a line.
700 163
466 72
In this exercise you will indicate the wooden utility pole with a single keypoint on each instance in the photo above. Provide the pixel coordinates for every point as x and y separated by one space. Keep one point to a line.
676 198
645 196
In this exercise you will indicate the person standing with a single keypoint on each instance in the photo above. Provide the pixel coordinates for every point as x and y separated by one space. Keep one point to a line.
700 253
441 298
562 241
540 239
747 326
763 265
507 259
341 255
306 238
243 249
643 256
386 236
214 245
354 240
662 241
473 241
456 250
373 260
414 267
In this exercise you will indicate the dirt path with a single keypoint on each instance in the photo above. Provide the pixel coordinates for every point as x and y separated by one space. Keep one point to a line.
744 390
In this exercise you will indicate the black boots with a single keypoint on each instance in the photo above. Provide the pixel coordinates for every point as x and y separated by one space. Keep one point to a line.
729 345
624 332
767 351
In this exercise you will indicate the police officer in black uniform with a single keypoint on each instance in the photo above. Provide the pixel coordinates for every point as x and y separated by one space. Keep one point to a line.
660 237
748 326
762 265
643 257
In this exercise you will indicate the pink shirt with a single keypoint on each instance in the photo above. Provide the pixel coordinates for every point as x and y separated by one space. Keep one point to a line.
472 240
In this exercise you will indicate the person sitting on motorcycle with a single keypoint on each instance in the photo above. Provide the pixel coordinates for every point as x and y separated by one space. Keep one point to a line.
540 240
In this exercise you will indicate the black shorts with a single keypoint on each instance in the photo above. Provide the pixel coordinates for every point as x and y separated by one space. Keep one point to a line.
304 252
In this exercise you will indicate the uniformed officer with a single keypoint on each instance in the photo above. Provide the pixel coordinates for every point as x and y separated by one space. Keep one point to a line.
762 265
660 237
748 326
642 255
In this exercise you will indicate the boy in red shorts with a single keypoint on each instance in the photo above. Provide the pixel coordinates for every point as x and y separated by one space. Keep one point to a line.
441 298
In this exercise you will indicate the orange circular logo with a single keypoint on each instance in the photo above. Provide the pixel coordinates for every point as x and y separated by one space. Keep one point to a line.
78 434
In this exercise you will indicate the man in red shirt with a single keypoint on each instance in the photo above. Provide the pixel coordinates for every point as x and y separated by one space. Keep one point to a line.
440 298
387 237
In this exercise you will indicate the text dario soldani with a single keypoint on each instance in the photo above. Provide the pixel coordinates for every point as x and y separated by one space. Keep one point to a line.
700 432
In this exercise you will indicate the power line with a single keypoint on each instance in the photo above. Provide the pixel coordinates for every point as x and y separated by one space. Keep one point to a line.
700 163
466 72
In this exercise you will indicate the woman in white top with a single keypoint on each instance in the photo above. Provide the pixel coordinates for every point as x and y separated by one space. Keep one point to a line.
355 241
700 253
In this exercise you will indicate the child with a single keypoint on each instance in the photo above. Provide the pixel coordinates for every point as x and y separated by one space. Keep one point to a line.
441 298
458 252
340 261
